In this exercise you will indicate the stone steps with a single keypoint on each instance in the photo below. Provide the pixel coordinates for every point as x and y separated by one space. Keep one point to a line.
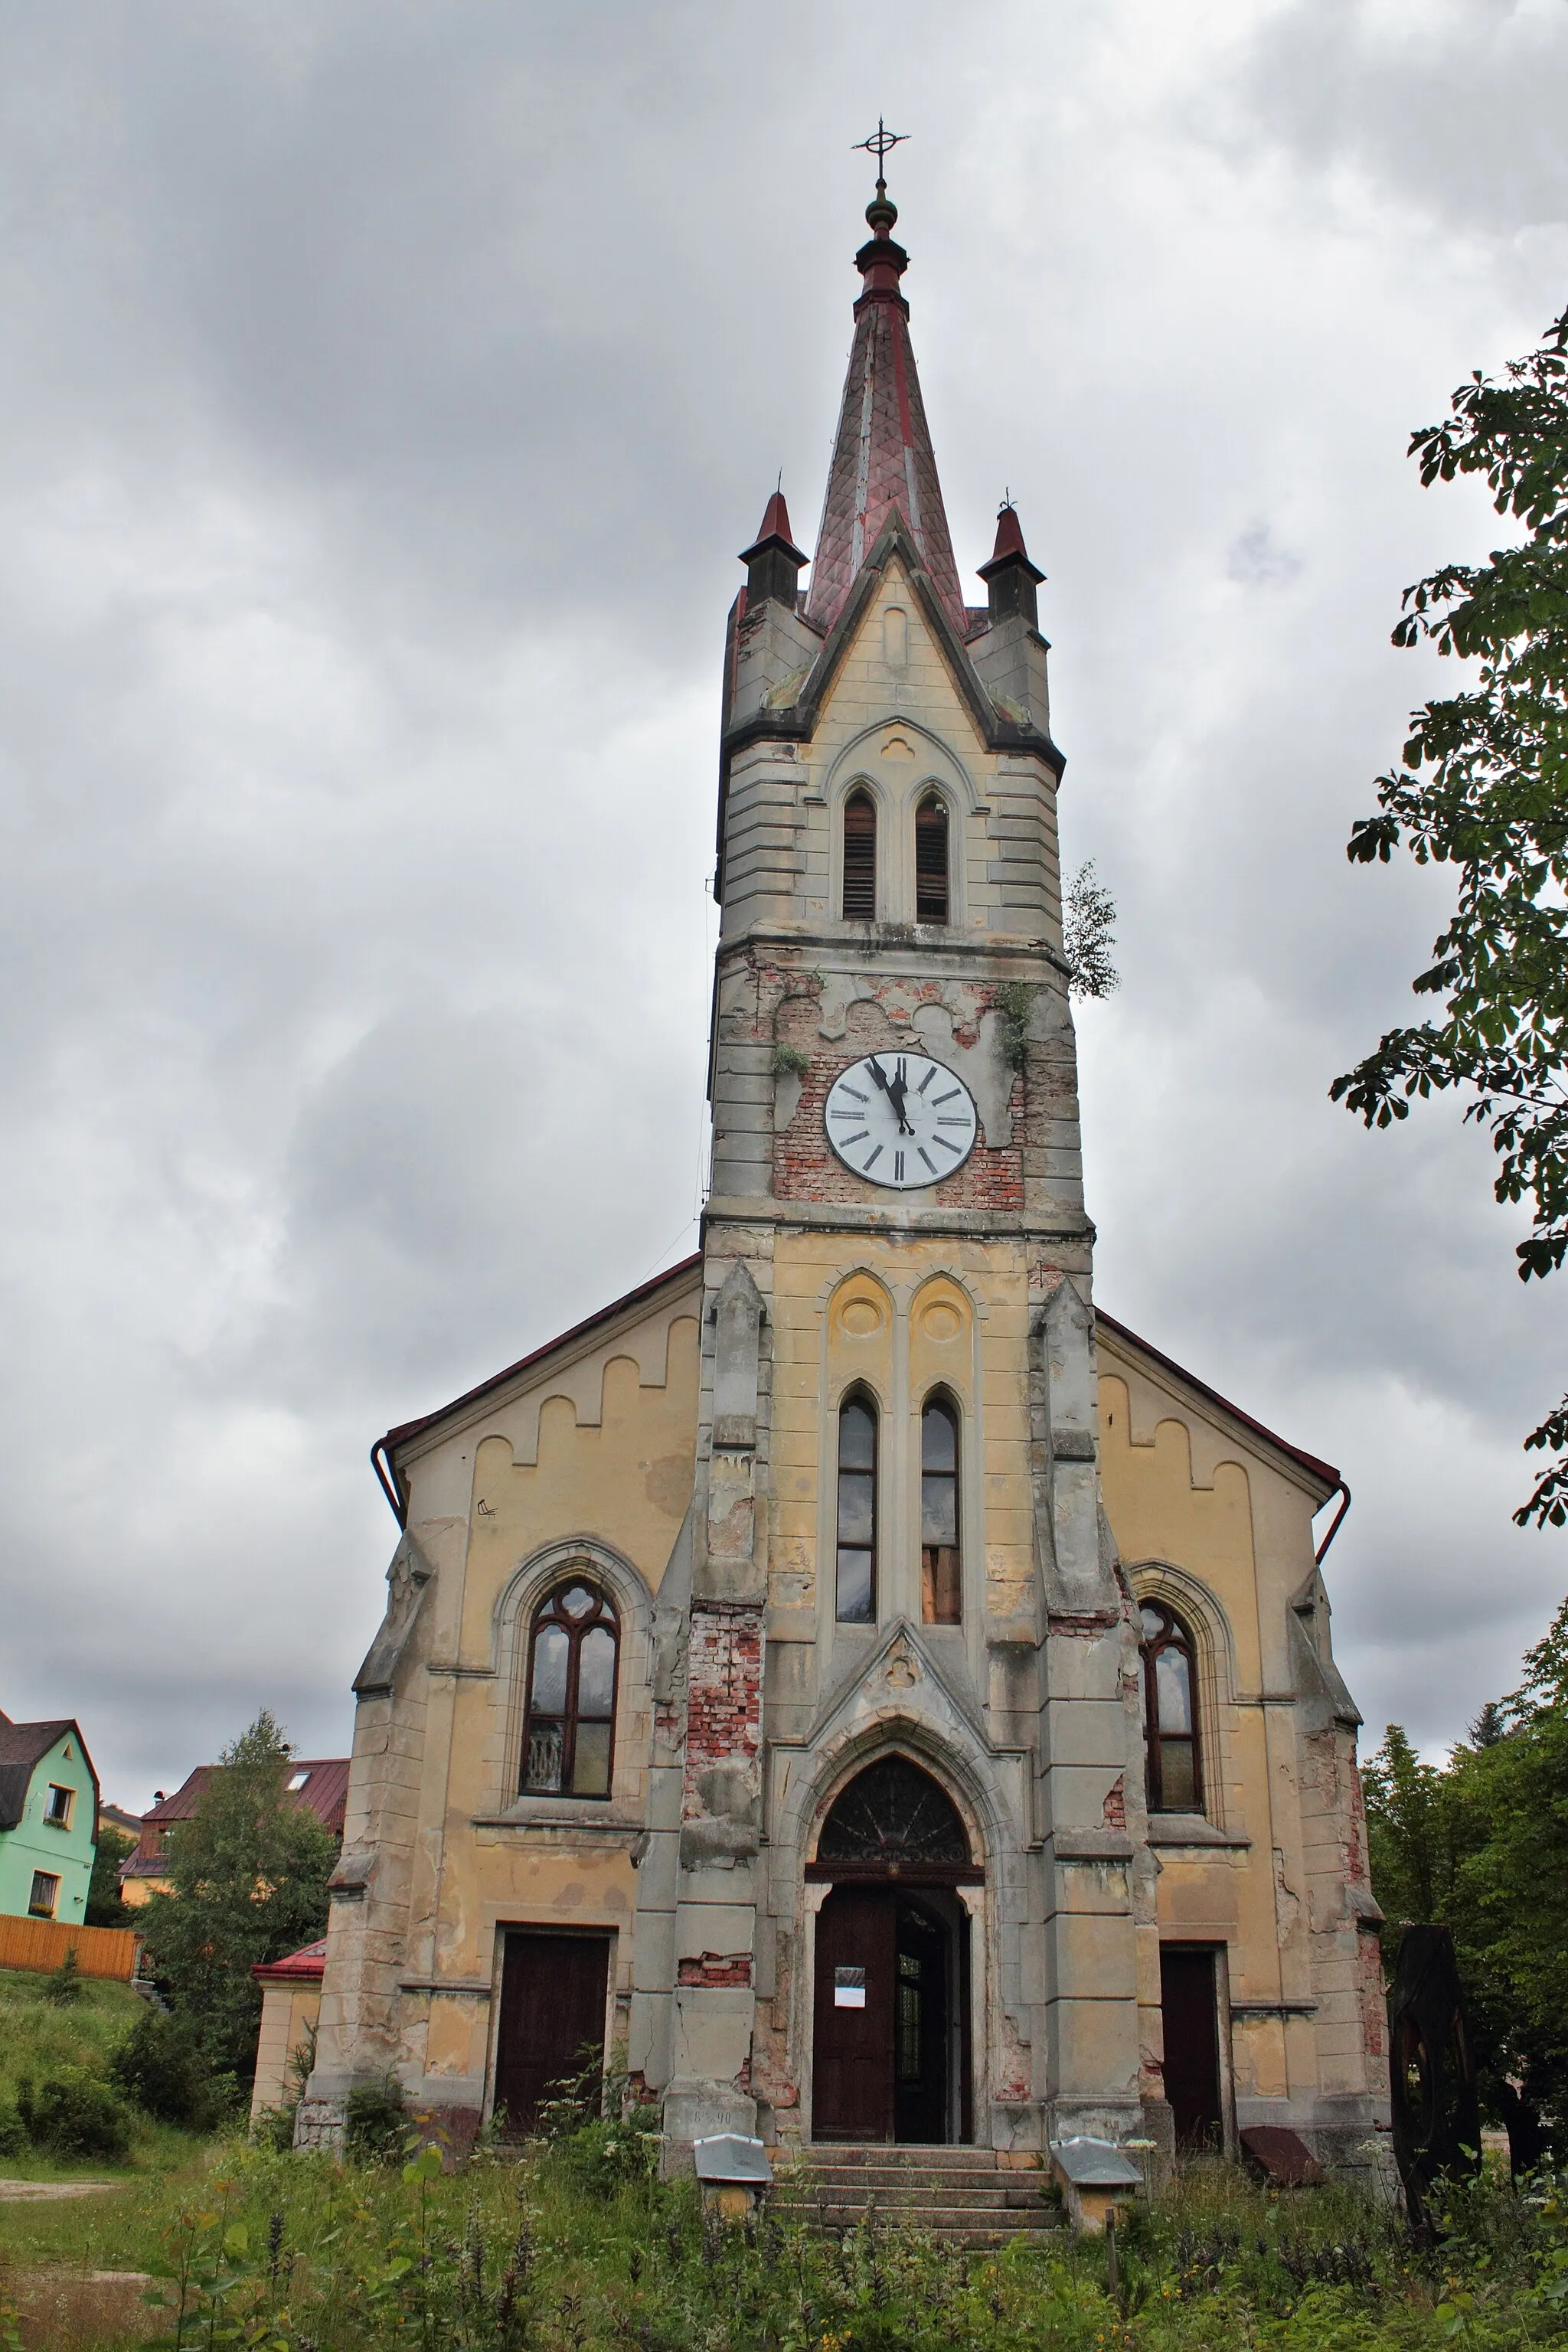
960 2196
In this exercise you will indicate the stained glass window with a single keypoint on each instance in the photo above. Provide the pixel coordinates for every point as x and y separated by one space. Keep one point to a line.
1170 1713
568 1736
894 1813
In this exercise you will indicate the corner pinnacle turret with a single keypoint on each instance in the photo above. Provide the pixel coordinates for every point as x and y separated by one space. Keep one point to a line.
882 456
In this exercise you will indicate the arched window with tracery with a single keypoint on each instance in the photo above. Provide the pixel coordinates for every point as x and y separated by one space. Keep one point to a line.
942 1581
568 1736
859 858
1170 1713
856 1565
930 860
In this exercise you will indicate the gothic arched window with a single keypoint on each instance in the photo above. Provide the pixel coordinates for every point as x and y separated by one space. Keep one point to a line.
859 858
1170 1713
890 1816
568 1734
930 860
857 1571
942 1584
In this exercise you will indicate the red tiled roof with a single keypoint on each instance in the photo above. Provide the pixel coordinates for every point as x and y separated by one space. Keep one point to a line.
300 1967
326 1792
882 454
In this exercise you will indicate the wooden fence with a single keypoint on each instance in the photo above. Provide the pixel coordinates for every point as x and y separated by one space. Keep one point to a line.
42 1945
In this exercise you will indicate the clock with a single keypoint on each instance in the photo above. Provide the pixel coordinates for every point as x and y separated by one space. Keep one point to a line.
901 1119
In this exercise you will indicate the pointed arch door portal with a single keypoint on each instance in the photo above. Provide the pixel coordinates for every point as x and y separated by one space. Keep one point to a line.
891 2040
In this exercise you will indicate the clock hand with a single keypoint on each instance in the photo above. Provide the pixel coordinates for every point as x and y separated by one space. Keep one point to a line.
894 1088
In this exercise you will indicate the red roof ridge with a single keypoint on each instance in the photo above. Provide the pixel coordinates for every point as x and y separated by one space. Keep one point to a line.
1320 1470
306 1966
644 1290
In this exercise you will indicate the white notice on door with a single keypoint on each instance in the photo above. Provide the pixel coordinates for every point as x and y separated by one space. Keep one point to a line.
848 1988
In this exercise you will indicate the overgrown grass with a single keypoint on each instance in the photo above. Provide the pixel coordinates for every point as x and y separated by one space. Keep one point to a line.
38 2040
295 2252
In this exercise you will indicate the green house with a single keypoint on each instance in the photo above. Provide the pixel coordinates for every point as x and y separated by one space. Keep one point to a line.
48 1820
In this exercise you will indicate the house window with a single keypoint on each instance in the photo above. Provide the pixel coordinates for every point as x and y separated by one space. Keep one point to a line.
57 1805
857 1601
1170 1714
859 858
46 1893
941 1590
930 860
297 1781
568 1736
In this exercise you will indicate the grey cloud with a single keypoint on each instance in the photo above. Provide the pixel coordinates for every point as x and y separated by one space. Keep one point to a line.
387 392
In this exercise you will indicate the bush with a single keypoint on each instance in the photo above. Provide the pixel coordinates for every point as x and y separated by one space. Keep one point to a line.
71 2115
377 2120
63 1987
273 2128
160 2066
603 2155
12 2132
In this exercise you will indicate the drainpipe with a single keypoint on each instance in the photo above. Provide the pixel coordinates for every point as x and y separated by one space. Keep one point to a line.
382 1464
1334 1524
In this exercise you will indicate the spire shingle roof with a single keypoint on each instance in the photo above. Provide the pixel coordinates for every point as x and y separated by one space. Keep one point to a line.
882 456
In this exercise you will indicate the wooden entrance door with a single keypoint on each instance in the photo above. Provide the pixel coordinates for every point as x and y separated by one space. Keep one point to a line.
853 2062
1188 1998
553 1997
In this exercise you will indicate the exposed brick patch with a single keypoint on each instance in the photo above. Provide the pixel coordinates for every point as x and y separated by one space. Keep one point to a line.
724 1693
1114 1811
716 1968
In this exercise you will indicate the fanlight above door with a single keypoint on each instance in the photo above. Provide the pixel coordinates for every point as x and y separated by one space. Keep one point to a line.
895 1822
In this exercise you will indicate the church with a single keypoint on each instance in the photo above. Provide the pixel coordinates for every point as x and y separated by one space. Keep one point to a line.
850 1680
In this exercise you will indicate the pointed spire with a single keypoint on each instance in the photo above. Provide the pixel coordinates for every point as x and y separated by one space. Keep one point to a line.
1010 578
882 456
773 559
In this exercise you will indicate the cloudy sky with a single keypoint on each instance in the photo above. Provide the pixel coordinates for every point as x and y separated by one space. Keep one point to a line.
387 387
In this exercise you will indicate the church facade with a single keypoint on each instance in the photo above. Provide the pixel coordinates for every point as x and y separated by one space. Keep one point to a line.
851 1681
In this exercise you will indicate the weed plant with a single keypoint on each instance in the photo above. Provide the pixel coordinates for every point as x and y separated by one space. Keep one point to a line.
538 2252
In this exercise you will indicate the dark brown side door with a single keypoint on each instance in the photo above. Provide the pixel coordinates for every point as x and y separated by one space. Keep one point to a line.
1188 1998
853 2071
552 1998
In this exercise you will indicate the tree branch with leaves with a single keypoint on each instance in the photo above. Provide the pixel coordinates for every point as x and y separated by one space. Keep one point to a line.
1483 787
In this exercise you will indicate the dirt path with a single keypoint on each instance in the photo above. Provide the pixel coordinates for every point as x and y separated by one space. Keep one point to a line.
43 2192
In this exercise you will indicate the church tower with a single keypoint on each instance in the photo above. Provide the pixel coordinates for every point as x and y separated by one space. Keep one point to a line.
763 1694
898 1736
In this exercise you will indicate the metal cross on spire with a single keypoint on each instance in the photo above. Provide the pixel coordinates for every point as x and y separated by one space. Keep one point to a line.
881 145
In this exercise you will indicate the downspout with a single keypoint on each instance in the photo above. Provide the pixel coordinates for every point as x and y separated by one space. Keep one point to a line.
1336 1523
380 1462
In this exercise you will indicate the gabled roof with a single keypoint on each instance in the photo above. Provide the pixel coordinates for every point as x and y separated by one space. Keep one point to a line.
324 1792
631 1299
883 462
1321 1472
23 1747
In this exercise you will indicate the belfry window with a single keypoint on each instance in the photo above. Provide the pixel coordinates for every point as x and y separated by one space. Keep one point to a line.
568 1735
930 860
942 1584
859 858
1170 1714
856 1576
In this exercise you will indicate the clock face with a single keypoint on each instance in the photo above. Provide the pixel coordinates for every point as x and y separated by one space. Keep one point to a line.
901 1119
